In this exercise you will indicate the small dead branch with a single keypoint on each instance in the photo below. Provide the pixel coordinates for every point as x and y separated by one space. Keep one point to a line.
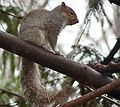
106 69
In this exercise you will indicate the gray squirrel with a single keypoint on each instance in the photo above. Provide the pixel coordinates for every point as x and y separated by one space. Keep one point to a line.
42 27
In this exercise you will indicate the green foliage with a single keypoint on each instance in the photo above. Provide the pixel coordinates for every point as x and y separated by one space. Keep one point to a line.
11 22
9 78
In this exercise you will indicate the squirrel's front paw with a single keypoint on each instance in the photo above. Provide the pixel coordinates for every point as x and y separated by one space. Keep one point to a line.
43 46
58 53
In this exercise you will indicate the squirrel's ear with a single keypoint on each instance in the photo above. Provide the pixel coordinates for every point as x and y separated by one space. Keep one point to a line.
63 7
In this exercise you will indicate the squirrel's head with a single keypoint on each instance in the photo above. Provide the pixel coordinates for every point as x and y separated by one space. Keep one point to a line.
70 15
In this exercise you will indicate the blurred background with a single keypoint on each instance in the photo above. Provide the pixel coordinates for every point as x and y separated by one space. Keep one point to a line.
98 30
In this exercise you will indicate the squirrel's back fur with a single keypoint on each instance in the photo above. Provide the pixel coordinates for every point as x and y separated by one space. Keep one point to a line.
46 24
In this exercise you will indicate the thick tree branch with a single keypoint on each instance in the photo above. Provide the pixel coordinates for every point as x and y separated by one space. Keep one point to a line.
79 72
7 13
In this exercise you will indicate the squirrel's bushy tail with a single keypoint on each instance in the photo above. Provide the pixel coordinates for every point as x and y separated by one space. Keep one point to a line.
34 90
32 86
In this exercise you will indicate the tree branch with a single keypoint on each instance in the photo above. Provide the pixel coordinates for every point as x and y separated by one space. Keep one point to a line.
106 69
112 52
79 72
91 95
117 2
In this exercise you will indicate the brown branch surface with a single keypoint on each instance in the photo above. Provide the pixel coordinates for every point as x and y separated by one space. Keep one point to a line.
106 69
79 72
91 95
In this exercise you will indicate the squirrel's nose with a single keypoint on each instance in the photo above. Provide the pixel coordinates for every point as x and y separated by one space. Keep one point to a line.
77 21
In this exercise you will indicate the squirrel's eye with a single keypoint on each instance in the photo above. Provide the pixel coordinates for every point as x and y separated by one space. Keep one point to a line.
71 13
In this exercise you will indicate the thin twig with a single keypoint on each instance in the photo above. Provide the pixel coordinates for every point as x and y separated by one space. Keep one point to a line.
7 13
2 26
70 55
11 93
76 45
